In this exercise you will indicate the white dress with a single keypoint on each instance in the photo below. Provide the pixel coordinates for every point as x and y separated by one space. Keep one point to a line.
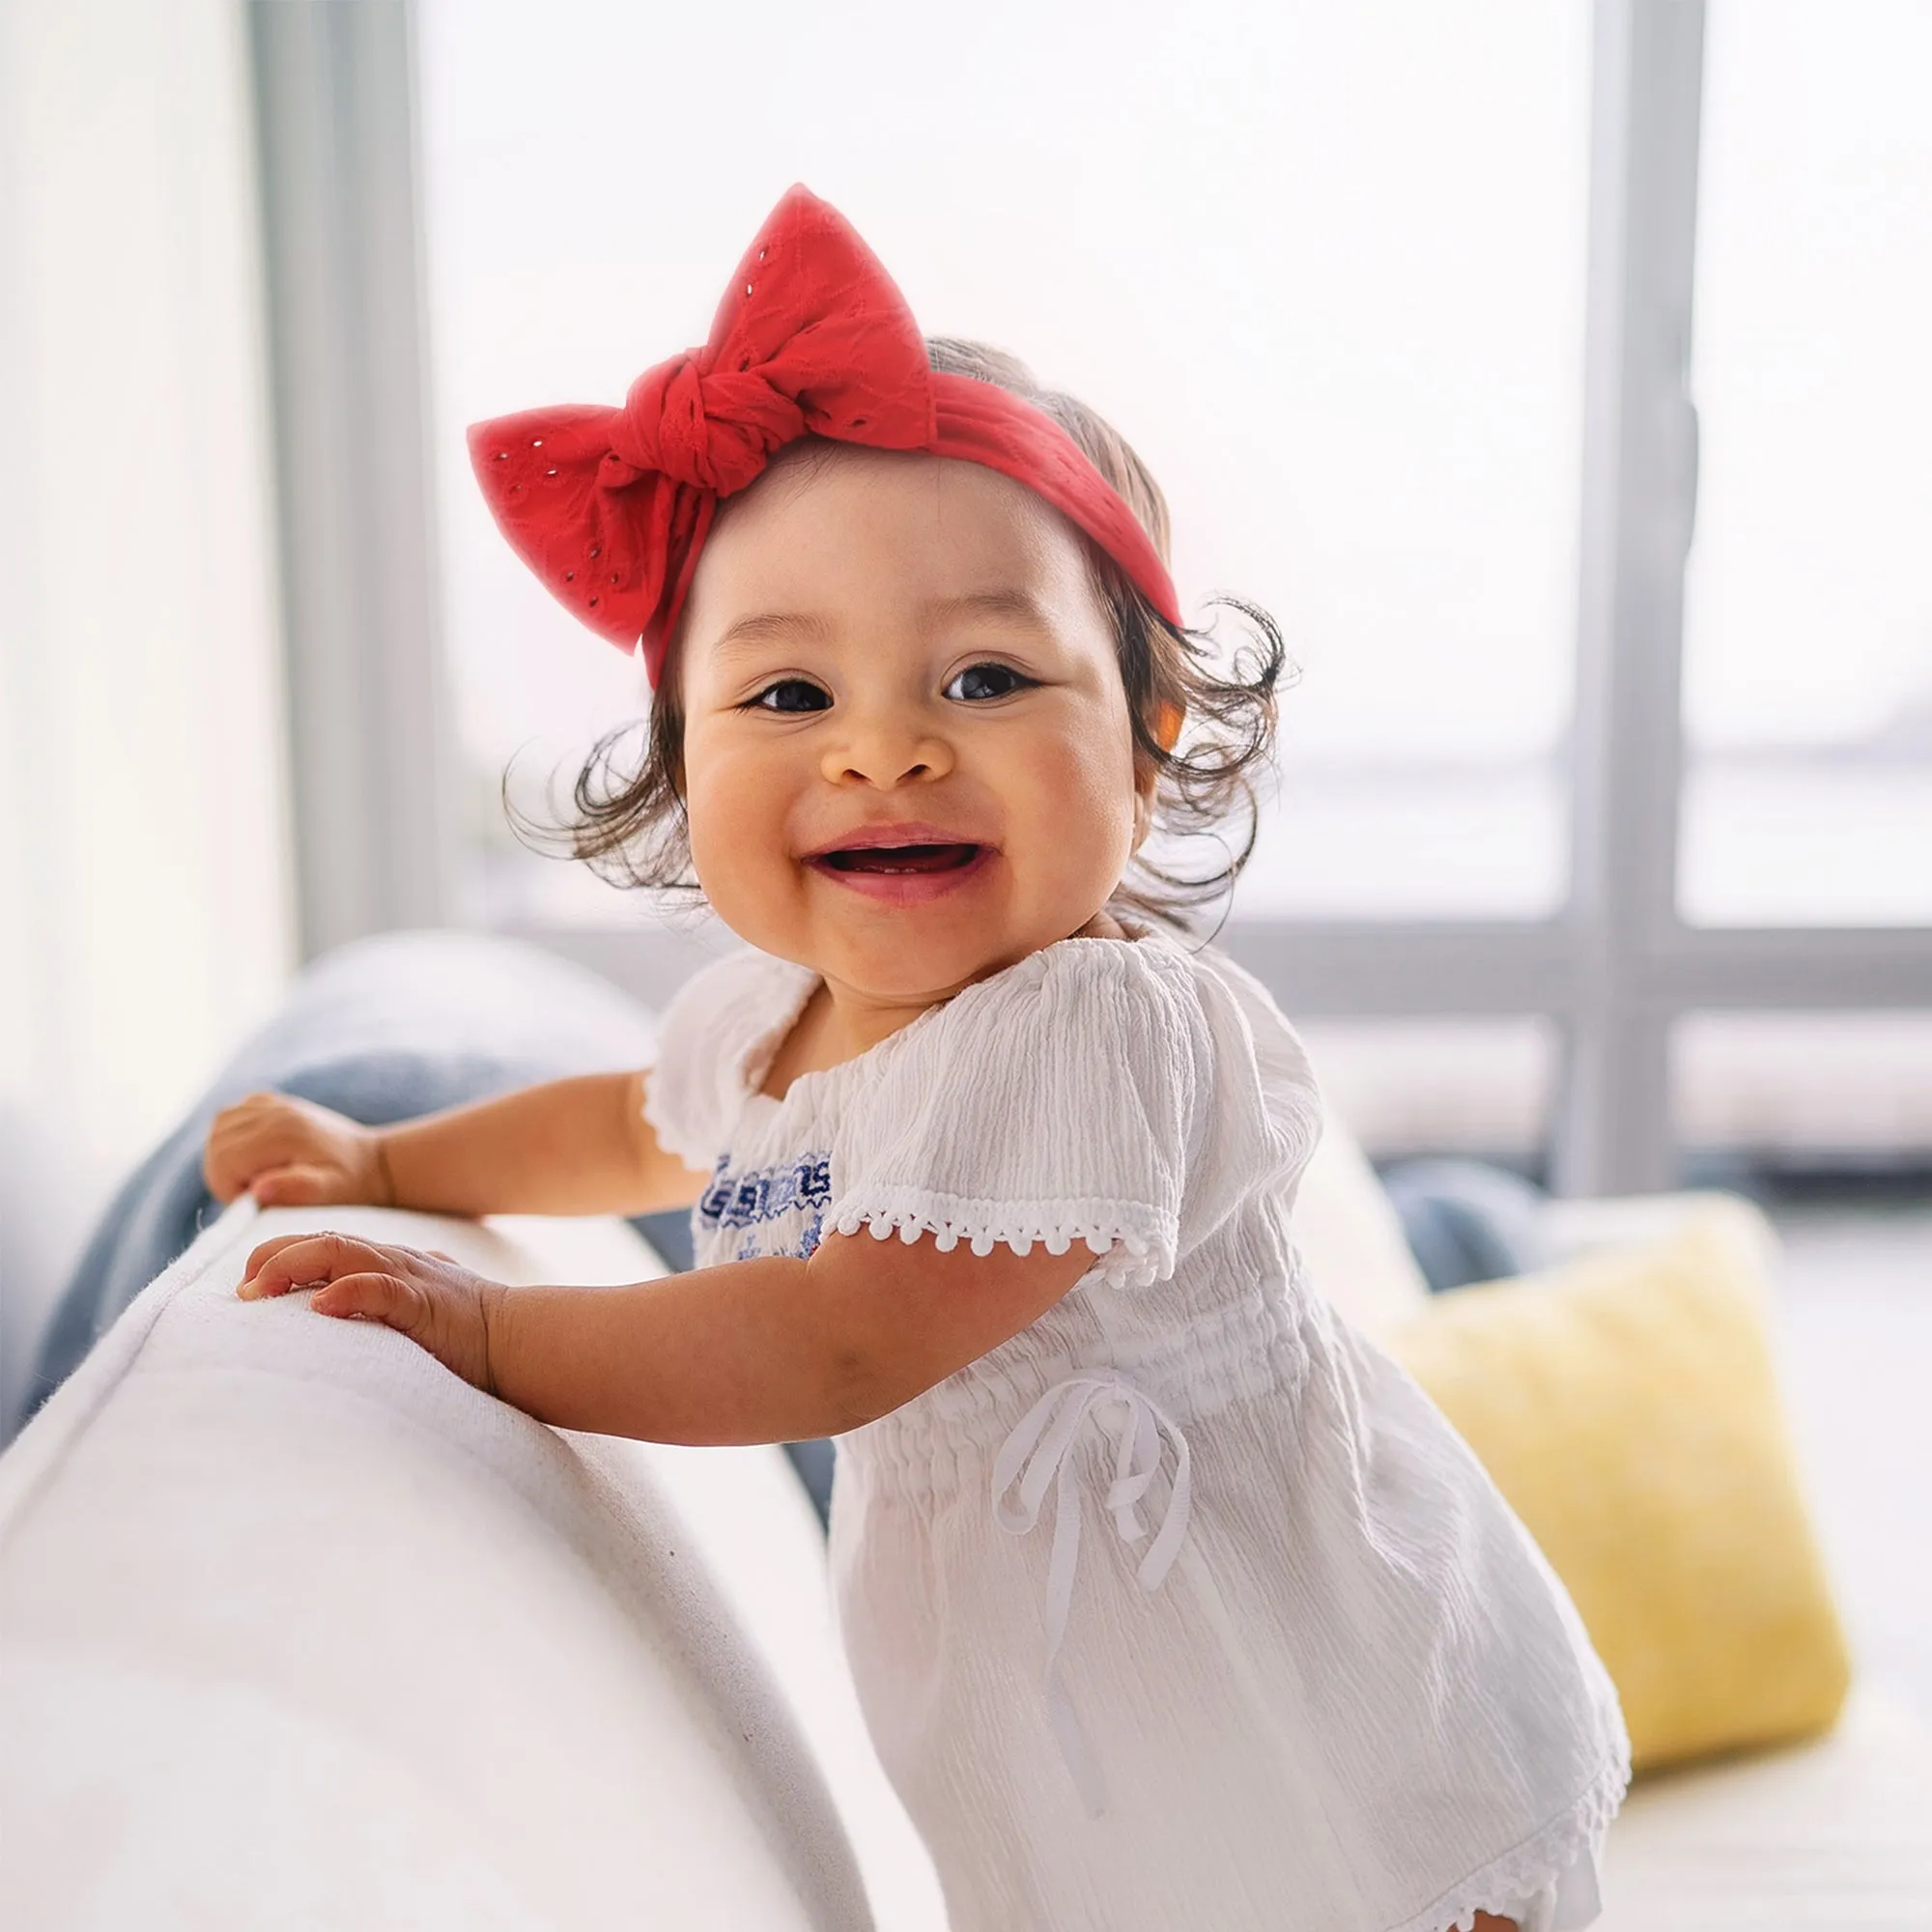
1184 1607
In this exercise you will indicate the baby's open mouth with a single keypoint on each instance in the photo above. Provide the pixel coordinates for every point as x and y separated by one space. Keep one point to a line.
892 859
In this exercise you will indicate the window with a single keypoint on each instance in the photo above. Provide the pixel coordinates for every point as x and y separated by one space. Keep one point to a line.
1826 1089
1337 305
1480 1088
1411 334
1808 633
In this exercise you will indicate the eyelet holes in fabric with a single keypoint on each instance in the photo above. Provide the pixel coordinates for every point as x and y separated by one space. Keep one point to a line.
595 553
594 602
502 455
536 443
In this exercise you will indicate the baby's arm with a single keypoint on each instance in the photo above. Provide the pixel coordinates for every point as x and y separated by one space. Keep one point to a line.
569 1147
766 1351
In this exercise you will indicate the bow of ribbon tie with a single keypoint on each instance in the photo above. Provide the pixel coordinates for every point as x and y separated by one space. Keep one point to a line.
611 508
1039 1452
608 506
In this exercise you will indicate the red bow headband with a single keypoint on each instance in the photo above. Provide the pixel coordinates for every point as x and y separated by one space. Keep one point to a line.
611 508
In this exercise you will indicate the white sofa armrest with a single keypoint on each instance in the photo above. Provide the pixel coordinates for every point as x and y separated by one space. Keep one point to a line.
297 1629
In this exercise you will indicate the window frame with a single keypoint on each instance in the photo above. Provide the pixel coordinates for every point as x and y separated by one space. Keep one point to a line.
1613 970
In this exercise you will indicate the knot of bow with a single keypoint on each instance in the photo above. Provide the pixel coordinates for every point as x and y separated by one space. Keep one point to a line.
715 431
611 508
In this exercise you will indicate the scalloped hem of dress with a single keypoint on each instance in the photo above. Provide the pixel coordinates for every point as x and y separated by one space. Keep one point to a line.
1534 1866
1133 1243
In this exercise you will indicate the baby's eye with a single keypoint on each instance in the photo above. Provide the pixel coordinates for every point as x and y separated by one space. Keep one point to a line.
792 694
979 682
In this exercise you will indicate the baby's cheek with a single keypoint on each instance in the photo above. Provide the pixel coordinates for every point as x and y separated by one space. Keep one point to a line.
1089 805
737 845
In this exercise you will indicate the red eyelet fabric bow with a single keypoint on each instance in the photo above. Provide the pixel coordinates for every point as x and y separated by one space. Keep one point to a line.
611 506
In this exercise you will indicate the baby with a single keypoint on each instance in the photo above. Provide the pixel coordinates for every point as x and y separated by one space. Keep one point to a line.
993 1175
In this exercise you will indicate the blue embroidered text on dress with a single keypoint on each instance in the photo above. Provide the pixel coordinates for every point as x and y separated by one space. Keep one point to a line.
756 1195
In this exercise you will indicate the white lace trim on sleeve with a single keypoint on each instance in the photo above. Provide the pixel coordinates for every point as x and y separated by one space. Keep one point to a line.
1134 1243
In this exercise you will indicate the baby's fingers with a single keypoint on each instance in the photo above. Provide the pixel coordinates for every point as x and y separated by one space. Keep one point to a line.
266 1251
246 1140
295 1185
296 1261
377 1297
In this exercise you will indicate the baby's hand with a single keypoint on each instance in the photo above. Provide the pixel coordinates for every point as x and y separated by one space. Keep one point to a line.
439 1305
291 1153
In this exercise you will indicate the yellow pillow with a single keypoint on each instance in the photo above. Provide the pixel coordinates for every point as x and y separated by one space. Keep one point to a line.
1626 1406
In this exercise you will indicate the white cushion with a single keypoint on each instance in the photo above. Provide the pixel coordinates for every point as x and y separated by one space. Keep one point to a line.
297 1630
1351 1238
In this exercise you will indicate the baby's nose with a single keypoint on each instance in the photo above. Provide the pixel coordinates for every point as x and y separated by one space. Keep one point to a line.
887 751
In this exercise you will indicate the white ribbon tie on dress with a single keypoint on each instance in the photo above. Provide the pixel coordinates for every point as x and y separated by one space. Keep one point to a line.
1039 1452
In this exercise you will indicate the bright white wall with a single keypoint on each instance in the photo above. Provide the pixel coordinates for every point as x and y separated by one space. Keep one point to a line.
144 878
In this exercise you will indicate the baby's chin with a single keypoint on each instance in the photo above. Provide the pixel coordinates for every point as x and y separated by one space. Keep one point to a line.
913 967
904 955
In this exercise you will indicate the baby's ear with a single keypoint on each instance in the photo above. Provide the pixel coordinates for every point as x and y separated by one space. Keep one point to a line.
1144 790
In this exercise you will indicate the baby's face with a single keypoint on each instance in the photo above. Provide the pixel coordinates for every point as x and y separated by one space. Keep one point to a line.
908 758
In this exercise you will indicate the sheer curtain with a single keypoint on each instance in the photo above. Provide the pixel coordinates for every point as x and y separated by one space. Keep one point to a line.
143 884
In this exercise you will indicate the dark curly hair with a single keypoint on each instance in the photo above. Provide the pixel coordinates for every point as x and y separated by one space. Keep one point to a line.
629 819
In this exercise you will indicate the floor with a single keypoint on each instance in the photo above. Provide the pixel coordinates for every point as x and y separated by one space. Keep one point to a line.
1856 1304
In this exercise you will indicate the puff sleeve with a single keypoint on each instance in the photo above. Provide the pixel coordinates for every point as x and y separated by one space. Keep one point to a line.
1056 1102
715 1042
